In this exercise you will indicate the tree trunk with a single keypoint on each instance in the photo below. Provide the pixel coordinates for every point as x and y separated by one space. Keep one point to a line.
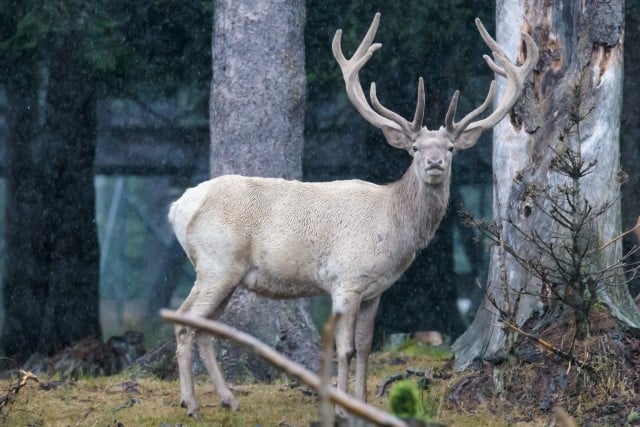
629 146
24 283
51 287
572 102
257 120
69 201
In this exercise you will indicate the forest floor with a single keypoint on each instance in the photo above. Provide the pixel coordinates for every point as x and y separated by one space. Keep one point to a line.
533 387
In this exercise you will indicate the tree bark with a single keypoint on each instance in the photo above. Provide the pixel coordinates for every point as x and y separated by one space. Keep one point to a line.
581 53
257 123
51 287
24 282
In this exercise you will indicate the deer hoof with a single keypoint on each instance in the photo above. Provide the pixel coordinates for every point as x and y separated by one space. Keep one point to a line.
193 411
341 413
230 403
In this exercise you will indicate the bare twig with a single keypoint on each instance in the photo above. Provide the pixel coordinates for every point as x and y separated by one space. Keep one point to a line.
503 318
327 415
10 396
292 368
635 230
549 346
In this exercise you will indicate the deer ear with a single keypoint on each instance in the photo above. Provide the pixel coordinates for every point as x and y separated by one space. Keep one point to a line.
397 138
468 138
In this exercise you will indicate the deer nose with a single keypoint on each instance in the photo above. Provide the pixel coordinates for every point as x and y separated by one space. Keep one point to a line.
435 162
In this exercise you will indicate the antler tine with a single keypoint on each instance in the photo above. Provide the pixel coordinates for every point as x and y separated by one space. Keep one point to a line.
451 112
382 118
408 127
418 116
501 65
456 128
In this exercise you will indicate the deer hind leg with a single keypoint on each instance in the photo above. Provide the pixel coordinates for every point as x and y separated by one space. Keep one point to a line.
363 340
207 297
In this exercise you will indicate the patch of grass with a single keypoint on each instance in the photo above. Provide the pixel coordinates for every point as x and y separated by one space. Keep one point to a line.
107 401
436 353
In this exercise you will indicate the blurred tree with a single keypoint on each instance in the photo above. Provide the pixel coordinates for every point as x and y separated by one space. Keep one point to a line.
51 279
257 122
57 56
556 163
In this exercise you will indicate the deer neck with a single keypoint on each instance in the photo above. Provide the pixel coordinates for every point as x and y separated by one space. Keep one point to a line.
416 208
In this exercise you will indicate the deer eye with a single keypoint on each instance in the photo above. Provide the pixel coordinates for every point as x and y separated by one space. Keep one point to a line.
451 148
414 148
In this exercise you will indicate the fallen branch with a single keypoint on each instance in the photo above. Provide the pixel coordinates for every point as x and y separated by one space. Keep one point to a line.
389 380
401 376
292 368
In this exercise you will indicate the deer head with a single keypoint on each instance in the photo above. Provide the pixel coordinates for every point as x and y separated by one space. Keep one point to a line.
432 149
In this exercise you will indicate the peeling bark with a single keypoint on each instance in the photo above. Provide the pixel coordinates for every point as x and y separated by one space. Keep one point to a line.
581 52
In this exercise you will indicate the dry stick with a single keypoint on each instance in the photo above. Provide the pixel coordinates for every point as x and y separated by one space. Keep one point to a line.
292 368
327 415
635 230
13 392
390 379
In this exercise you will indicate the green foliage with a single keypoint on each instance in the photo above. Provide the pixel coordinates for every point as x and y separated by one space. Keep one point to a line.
36 24
153 46
404 400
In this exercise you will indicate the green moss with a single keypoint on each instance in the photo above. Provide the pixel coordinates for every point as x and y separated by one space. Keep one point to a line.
404 400
414 348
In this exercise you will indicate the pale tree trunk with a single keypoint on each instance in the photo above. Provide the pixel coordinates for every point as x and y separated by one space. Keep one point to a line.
580 53
257 123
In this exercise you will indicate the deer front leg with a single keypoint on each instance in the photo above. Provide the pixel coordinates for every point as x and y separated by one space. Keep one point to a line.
363 340
346 303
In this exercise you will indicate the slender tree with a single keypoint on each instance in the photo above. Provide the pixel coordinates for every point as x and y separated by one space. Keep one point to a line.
257 118
561 142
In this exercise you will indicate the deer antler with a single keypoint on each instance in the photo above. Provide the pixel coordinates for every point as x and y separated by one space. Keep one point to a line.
378 116
515 76
399 131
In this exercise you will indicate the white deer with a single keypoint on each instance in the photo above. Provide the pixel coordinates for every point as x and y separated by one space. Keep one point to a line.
349 239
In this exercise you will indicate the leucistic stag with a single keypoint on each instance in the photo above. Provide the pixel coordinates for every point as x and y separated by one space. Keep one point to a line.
349 239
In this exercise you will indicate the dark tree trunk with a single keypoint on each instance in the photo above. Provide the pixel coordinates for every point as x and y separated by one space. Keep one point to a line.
51 287
424 298
578 81
25 282
257 120
630 133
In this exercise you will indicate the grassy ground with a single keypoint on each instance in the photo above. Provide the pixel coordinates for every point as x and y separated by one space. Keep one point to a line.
125 401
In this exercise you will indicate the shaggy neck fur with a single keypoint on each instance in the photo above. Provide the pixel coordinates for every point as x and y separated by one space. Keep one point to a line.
417 208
